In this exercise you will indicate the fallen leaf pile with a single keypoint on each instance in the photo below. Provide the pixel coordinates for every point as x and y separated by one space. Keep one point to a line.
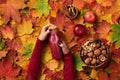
22 20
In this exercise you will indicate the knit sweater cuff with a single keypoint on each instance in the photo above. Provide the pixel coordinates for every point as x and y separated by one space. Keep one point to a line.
68 56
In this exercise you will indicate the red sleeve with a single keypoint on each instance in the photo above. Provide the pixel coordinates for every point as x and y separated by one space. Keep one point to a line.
35 62
69 72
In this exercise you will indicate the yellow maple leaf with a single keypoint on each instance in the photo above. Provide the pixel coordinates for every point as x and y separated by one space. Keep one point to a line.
47 54
43 21
1 21
52 64
60 67
105 3
106 17
36 14
43 77
94 74
55 6
31 3
21 61
24 28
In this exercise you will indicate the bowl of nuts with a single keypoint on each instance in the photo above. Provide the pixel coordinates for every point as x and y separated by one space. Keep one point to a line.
95 53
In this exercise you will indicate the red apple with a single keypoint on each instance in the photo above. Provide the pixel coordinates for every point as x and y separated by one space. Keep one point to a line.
80 30
89 17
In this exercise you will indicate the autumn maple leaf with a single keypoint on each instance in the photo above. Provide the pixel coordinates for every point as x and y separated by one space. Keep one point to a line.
105 3
25 28
116 16
55 6
114 70
15 44
103 76
10 9
103 30
2 1
58 20
116 34
42 7
4 53
79 4
7 32
53 75
7 70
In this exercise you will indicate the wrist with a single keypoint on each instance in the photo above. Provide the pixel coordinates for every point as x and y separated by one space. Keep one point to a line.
66 52
41 38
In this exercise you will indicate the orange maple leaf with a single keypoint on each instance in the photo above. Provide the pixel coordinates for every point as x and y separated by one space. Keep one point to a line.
7 68
89 1
7 32
4 52
11 10
105 3
68 31
79 4
55 6
15 44
116 16
58 20
103 29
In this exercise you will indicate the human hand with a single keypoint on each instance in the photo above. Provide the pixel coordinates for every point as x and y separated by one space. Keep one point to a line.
45 31
64 47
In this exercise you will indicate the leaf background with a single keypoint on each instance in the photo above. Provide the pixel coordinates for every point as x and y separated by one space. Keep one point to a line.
22 20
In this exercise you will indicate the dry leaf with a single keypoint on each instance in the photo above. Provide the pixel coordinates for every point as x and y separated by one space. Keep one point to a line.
25 28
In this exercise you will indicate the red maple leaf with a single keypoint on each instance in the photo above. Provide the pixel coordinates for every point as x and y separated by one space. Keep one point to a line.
8 70
103 29
11 10
79 4
66 2
2 1
53 75
115 53
103 76
15 44
59 20
114 70
7 32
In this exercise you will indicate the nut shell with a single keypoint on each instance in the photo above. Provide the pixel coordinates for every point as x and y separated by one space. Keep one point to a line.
97 52
95 56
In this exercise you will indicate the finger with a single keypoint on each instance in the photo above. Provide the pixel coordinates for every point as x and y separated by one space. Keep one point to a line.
46 26
52 27
61 45
48 31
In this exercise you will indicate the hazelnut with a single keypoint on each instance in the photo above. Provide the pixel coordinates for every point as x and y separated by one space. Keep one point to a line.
97 52
98 45
102 58
93 61
98 61
104 52
90 54
103 47
87 60
85 52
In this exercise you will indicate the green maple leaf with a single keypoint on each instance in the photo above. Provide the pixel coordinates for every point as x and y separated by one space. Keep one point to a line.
2 44
116 35
43 7
78 62
27 51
